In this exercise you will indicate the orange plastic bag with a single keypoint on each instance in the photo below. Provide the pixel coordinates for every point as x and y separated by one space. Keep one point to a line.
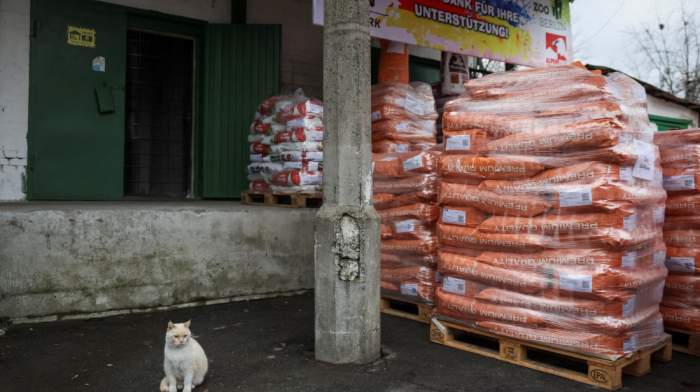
425 275
465 308
426 184
684 286
551 140
393 62
392 261
384 201
579 112
420 247
682 181
682 238
401 132
388 146
681 156
608 198
495 125
684 261
404 164
471 196
427 213
683 205
464 142
471 238
677 138
468 268
552 224
681 222
457 168
688 319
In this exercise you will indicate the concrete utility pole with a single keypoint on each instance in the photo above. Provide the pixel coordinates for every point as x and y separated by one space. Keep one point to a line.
347 226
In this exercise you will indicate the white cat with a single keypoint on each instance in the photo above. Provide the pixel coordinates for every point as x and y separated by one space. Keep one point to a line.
185 361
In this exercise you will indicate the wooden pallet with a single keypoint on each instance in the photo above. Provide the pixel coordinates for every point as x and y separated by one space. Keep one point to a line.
284 200
601 373
693 346
422 311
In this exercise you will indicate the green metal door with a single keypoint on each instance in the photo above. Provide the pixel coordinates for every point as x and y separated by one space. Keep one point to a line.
242 68
76 114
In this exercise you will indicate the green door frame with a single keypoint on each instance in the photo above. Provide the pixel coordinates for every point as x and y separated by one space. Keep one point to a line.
666 123
156 22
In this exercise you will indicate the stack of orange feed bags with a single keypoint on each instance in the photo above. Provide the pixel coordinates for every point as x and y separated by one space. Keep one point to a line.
552 211
680 159
405 182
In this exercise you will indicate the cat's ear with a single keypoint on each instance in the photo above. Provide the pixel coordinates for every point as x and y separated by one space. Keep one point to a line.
187 324
170 325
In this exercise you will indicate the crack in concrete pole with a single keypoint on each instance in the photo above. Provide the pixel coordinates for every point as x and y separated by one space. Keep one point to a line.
346 242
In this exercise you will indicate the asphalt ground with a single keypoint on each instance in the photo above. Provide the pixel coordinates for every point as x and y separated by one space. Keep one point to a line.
267 345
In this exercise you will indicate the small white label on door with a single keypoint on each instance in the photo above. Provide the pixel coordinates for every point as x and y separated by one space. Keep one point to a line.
98 64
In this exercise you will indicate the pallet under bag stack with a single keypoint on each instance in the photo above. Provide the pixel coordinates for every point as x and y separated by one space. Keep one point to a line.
405 193
549 233
680 159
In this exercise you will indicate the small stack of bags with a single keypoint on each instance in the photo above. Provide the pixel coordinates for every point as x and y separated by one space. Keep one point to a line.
286 145
551 195
680 159
405 183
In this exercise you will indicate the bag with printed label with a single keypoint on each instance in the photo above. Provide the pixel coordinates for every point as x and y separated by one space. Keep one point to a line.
454 72
259 186
552 207
296 178
298 135
679 138
681 181
383 201
409 164
299 146
306 123
426 184
393 62
306 109
402 131
683 318
390 146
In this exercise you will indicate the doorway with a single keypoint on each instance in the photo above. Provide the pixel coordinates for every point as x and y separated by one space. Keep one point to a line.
159 106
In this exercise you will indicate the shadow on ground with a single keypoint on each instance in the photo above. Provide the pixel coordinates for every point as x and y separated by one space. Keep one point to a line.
267 345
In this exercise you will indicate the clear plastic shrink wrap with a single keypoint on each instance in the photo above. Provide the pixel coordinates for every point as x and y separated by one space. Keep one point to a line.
551 211
680 160
286 145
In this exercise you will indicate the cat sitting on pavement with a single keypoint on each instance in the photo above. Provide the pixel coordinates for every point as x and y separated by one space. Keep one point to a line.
185 361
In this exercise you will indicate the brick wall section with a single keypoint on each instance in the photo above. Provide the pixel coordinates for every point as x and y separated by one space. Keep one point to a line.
14 96
302 42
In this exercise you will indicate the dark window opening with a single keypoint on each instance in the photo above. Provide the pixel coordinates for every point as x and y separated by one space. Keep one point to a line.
159 84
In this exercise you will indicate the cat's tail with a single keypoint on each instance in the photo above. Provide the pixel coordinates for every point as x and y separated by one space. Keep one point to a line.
164 385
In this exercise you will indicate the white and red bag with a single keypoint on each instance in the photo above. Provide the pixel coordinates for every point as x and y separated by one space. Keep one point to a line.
259 148
308 108
304 165
298 135
296 178
308 123
299 146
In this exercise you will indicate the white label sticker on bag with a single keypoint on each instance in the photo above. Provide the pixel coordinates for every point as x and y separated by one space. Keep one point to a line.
438 277
629 260
316 136
404 226
575 197
403 127
456 217
630 344
625 138
658 292
409 289
402 148
644 168
683 264
679 183
459 142
376 115
428 127
296 123
310 178
453 285
572 282
659 214
659 258
630 222
314 109
658 179
414 105
628 307
372 167
256 157
626 174
395 47
413 163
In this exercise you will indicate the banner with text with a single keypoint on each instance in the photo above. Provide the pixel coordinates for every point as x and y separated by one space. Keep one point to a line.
522 32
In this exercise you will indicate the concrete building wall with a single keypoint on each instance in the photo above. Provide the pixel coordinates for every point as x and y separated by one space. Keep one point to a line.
64 258
659 107
14 76
302 42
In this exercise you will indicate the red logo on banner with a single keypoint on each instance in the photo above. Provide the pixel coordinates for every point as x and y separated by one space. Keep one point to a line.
556 51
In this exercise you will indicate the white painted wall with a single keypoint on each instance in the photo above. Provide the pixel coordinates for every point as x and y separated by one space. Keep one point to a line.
14 96
659 107
14 76
302 42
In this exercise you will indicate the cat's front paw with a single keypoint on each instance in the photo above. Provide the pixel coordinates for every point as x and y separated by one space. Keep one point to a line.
173 388
187 388
180 386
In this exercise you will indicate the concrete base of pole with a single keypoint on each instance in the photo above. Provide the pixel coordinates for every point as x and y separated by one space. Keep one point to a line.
347 284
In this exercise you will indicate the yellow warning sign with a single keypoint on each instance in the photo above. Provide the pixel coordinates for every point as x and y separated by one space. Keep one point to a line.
81 37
